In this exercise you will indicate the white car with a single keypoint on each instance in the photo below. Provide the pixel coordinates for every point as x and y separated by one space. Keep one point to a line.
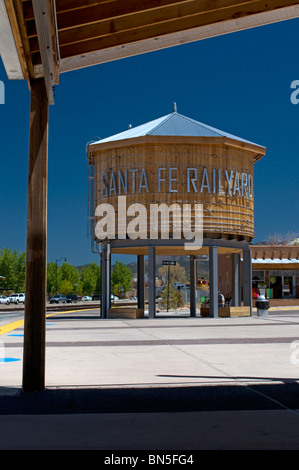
21 298
16 298
4 300
86 297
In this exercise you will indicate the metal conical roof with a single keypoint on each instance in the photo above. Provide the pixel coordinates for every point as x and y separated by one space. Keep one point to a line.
173 124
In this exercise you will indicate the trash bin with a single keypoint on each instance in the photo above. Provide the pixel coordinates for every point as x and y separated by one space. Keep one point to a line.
262 305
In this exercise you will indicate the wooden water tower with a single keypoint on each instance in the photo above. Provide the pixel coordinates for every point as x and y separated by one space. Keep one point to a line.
177 162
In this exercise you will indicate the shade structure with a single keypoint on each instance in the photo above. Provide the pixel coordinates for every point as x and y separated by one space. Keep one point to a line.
44 38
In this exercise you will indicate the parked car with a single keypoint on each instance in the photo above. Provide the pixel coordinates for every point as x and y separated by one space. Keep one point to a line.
71 298
96 297
21 298
4 300
16 298
58 299
86 297
114 297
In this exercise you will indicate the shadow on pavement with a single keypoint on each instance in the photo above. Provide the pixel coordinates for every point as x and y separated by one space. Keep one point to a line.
271 396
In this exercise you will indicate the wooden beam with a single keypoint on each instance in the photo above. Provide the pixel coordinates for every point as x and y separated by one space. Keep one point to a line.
9 51
22 32
45 19
36 249
14 22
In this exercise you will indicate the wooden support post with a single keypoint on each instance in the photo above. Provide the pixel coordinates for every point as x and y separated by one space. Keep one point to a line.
36 249
213 263
193 282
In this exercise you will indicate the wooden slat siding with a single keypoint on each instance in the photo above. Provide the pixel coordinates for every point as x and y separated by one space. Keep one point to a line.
125 312
223 214
227 312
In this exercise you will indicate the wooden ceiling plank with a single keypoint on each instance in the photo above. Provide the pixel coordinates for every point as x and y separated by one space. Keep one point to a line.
168 27
122 51
103 11
120 9
130 22
135 21
62 6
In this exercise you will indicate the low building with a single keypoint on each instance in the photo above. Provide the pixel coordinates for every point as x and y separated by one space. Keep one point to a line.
275 272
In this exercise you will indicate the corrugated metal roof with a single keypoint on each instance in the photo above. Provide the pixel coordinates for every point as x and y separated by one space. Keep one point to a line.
275 261
173 124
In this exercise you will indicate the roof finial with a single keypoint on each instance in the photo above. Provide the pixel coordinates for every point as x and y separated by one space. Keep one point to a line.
174 110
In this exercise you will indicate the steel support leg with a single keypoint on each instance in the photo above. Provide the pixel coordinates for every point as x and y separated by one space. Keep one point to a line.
140 281
213 264
193 280
236 280
151 281
247 279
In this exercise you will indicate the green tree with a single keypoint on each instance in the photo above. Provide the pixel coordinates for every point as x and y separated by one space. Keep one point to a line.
175 298
66 287
121 279
57 275
51 278
69 273
12 270
90 279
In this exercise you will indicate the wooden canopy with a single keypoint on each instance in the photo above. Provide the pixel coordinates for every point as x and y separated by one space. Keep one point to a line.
48 37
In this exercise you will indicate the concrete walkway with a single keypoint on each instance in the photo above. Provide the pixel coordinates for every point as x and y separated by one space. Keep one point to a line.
170 383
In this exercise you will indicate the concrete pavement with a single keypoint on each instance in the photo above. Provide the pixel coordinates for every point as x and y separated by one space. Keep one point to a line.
172 382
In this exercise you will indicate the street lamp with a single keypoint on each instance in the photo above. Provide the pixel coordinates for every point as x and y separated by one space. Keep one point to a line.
56 269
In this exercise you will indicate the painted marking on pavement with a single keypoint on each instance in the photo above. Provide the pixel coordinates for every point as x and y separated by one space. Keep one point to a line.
18 324
8 359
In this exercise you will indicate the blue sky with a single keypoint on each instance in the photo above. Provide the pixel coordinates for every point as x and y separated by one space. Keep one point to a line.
239 83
